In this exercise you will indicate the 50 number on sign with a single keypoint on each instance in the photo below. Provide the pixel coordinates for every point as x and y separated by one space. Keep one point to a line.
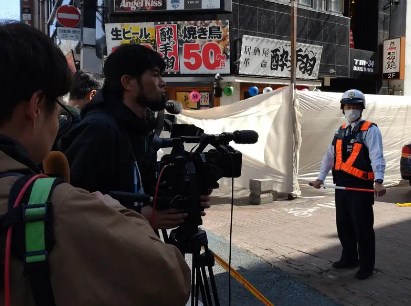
208 55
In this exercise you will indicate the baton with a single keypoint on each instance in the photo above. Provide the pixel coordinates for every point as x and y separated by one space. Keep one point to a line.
345 188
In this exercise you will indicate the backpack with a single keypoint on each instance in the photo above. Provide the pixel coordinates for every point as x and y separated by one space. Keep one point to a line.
28 231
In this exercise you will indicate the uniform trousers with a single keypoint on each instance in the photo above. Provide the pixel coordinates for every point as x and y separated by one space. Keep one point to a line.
355 221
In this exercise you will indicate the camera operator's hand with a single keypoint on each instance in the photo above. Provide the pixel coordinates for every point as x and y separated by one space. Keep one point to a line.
204 202
164 219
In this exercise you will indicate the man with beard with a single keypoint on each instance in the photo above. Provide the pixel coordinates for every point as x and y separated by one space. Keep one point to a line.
109 150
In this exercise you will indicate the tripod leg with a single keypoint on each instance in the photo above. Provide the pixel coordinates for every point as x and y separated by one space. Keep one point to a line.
194 295
213 286
206 299
197 283
206 286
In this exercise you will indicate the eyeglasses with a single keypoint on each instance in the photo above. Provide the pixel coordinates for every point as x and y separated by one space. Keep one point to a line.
61 104
70 117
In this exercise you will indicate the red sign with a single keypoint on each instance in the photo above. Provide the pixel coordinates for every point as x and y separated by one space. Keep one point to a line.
68 16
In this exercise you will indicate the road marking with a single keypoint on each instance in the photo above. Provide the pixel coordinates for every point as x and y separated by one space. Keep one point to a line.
308 212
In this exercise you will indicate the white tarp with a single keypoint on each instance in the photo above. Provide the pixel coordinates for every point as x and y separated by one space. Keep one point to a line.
316 116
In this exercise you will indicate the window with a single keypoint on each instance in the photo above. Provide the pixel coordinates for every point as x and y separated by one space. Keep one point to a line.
336 6
305 2
320 5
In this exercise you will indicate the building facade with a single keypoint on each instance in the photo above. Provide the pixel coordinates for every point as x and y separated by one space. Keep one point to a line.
222 51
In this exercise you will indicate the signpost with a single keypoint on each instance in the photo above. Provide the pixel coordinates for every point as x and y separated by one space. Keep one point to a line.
68 16
69 33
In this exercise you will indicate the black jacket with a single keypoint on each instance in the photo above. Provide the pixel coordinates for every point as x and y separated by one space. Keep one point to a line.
102 148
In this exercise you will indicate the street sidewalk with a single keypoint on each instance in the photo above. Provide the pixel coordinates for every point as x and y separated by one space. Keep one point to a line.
300 238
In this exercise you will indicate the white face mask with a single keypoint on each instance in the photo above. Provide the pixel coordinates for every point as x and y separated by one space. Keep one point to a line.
352 115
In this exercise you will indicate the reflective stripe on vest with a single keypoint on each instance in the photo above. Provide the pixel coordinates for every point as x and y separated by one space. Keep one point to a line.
347 166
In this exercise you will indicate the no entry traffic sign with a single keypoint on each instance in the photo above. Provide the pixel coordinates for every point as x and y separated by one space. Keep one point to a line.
68 16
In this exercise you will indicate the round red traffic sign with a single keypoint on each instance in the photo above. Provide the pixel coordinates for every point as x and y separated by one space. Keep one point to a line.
68 16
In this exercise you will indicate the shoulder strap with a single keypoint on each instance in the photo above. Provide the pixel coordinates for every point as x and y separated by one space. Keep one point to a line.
39 240
33 237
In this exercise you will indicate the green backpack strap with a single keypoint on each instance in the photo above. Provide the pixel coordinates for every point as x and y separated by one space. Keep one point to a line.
35 214
33 237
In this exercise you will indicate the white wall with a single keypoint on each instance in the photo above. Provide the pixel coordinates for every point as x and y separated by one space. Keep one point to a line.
226 100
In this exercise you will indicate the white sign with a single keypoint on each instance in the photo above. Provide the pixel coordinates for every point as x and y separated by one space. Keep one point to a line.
363 65
272 57
391 55
69 33
210 4
26 17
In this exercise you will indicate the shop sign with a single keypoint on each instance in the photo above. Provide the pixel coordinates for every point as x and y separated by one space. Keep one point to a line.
393 59
138 6
188 47
184 98
362 64
272 57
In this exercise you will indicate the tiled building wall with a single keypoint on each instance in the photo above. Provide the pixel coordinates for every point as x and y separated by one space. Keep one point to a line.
272 20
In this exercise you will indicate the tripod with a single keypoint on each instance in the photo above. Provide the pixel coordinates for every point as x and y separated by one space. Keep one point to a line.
192 244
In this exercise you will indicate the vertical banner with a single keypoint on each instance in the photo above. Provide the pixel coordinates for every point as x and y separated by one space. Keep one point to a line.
393 59
188 47
167 46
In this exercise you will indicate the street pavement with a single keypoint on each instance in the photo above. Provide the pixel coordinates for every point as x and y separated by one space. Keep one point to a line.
298 238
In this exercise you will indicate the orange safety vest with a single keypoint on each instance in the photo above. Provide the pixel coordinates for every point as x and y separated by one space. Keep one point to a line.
347 166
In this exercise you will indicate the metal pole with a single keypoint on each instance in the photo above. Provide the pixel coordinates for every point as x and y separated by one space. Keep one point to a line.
293 43
296 132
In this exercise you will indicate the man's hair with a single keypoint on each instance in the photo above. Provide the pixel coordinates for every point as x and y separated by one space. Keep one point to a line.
130 59
30 62
83 83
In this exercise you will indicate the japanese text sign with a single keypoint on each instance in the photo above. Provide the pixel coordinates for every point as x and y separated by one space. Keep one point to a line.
188 47
393 59
272 57
135 6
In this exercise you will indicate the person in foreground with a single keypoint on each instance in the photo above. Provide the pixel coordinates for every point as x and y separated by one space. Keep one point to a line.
103 254
356 159
111 149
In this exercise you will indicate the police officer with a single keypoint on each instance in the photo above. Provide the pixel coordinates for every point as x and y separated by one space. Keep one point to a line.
356 159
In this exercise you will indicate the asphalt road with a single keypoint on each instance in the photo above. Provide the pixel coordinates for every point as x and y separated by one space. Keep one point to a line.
270 281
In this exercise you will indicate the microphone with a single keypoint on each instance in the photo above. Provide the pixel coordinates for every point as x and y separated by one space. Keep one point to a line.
173 107
245 136
240 137
56 164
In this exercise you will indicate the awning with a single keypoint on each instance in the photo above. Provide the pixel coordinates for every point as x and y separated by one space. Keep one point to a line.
240 79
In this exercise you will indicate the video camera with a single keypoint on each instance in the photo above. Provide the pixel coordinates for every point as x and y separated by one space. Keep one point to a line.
186 175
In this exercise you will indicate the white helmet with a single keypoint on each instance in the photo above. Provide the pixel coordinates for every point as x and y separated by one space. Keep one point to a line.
352 96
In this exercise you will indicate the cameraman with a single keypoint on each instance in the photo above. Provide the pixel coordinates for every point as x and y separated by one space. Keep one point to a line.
97 259
110 150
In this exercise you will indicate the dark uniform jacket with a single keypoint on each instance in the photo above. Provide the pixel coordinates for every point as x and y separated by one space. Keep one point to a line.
103 147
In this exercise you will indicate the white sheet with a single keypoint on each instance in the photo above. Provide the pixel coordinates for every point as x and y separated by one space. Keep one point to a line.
312 119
